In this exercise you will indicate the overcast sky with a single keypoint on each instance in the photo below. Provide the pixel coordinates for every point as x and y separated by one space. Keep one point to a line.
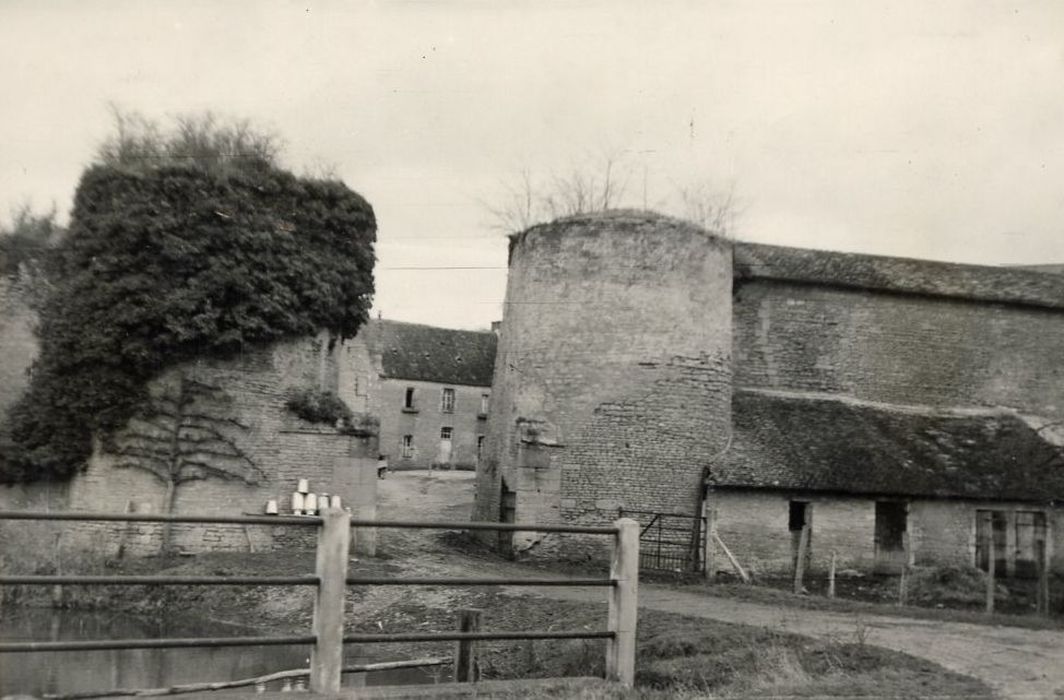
904 128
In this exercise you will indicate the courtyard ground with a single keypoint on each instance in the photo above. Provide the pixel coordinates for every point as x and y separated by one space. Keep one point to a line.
688 637
1015 661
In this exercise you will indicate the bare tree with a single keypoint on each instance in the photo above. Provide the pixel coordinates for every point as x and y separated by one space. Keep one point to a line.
704 204
204 139
183 435
598 184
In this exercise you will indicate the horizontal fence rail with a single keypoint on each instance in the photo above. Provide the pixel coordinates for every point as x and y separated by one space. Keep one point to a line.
334 536
70 579
474 636
174 643
501 527
296 520
575 582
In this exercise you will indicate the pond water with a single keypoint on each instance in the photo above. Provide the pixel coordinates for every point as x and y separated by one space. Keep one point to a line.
37 673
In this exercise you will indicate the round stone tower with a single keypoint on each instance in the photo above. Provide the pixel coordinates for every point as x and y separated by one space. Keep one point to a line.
612 384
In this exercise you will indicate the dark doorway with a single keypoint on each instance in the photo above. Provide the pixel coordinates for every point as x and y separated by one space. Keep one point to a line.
800 516
507 514
892 522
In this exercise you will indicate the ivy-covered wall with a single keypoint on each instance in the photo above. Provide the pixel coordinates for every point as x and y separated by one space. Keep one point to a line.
249 410
169 265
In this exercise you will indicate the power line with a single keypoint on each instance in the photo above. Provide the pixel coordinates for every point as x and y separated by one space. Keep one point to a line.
448 267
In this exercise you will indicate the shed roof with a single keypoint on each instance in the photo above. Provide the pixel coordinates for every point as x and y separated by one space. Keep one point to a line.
1010 285
432 354
808 442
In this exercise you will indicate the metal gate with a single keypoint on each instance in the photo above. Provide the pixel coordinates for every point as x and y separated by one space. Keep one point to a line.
669 541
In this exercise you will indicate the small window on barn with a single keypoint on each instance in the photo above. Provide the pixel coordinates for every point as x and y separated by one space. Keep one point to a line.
407 447
408 398
480 447
447 401
484 398
797 516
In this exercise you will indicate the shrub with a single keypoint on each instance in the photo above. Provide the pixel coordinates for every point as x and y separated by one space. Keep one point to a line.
951 586
316 406
27 240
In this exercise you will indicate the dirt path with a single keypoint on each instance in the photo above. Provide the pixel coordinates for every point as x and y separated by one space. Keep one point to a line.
1017 662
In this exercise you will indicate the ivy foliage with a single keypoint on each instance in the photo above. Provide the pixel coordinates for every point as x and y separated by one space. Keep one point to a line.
162 264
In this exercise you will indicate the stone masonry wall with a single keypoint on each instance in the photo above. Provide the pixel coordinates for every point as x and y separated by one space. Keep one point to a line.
754 526
612 381
252 392
897 348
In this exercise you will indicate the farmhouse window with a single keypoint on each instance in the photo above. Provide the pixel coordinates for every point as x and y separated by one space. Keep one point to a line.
407 447
446 432
480 447
484 404
447 401
408 398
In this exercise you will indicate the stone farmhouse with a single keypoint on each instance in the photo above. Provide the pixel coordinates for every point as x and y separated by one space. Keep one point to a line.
904 409
429 387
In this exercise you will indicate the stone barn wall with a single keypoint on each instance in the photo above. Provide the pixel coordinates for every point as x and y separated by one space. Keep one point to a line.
612 375
249 406
895 348
942 532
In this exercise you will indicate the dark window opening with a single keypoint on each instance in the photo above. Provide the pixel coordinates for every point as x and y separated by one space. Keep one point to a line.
797 517
408 401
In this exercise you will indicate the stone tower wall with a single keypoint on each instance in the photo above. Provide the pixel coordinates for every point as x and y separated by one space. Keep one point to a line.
612 386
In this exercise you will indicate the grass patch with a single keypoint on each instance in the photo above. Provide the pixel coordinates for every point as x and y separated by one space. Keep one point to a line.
687 657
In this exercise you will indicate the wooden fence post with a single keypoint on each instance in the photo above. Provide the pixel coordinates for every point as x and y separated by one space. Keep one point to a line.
711 546
334 546
623 610
991 565
465 651
831 575
1042 568
799 560
903 583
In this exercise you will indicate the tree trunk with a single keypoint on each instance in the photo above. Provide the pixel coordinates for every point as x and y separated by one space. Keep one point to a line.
168 509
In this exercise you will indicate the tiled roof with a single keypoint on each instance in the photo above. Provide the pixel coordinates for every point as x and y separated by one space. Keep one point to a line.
1012 285
829 444
428 353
